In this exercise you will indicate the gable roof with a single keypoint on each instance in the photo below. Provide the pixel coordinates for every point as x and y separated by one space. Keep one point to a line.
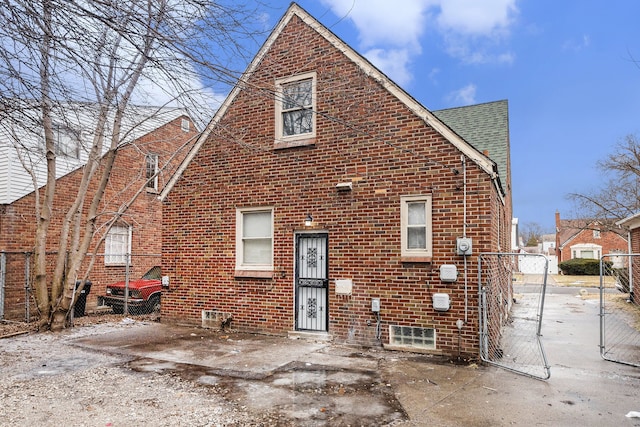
483 161
486 127
569 229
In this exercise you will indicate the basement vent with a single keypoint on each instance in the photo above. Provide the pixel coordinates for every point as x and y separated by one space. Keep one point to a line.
409 336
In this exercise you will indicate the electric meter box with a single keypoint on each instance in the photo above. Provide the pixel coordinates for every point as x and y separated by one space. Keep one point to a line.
464 246
448 273
441 302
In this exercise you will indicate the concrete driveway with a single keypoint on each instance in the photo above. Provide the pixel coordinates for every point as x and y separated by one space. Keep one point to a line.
318 383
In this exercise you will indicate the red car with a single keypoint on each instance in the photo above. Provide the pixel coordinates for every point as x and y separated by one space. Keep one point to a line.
144 294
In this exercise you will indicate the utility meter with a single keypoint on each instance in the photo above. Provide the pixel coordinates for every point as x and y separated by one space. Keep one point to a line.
463 246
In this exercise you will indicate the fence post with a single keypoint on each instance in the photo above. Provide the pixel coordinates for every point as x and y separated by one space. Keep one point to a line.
127 257
3 278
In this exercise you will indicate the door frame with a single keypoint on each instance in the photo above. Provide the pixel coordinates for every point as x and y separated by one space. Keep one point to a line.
297 287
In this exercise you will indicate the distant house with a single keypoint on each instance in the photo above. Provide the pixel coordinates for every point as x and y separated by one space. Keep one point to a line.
323 199
155 143
587 238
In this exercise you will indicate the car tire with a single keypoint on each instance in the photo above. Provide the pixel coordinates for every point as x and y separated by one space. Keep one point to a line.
153 305
117 309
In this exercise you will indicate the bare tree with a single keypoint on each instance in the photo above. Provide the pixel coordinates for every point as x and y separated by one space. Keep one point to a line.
71 58
531 233
619 194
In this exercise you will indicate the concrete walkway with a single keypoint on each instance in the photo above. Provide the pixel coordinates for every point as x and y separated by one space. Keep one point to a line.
311 382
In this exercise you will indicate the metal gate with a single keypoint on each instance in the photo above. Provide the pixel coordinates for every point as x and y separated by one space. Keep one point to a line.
620 308
312 283
511 307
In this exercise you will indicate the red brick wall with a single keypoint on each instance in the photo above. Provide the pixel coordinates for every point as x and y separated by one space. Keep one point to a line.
609 241
18 222
364 135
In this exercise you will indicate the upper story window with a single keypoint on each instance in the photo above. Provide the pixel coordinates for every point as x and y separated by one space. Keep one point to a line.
67 141
416 238
596 234
254 239
295 109
185 125
117 245
151 174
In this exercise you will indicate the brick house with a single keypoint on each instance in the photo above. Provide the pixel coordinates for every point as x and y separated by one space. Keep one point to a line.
157 145
631 225
322 199
587 238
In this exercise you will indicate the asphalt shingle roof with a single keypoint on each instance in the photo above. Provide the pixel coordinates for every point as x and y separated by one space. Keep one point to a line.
485 127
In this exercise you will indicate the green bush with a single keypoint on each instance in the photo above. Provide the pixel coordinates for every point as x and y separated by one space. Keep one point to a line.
583 267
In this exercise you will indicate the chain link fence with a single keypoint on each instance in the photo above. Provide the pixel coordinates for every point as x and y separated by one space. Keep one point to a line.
512 289
620 308
128 284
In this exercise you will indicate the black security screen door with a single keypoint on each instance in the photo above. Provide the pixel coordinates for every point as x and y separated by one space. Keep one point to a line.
312 283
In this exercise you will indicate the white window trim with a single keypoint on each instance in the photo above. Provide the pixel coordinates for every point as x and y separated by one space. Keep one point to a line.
404 220
117 259
153 185
280 138
240 266
67 141
576 250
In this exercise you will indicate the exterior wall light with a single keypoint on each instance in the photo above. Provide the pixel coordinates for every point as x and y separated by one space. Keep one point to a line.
308 221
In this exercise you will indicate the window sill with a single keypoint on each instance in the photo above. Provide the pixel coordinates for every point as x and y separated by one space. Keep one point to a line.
416 259
302 142
254 274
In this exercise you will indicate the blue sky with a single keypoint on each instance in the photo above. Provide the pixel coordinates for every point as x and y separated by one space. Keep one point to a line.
565 66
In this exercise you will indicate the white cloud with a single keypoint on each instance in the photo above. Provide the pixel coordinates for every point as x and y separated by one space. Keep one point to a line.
464 96
394 62
473 17
578 45
384 22
390 31
475 51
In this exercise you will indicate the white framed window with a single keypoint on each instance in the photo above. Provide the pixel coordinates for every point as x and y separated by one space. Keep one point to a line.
185 125
596 234
67 141
117 245
254 239
151 167
416 239
295 107
586 250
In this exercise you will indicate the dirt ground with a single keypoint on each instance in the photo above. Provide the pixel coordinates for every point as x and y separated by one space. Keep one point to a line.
45 380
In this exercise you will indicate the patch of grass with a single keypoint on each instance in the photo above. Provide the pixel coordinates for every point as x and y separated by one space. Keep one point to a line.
621 303
583 281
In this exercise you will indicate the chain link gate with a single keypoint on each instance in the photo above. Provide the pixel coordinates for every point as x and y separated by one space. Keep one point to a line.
620 308
512 289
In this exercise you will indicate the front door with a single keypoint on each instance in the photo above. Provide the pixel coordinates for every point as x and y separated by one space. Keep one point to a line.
312 283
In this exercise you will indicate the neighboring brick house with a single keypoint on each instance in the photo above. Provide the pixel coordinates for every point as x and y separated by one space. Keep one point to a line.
159 145
324 199
587 238
632 226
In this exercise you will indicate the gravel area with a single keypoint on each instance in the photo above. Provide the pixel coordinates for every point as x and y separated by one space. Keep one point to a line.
45 380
